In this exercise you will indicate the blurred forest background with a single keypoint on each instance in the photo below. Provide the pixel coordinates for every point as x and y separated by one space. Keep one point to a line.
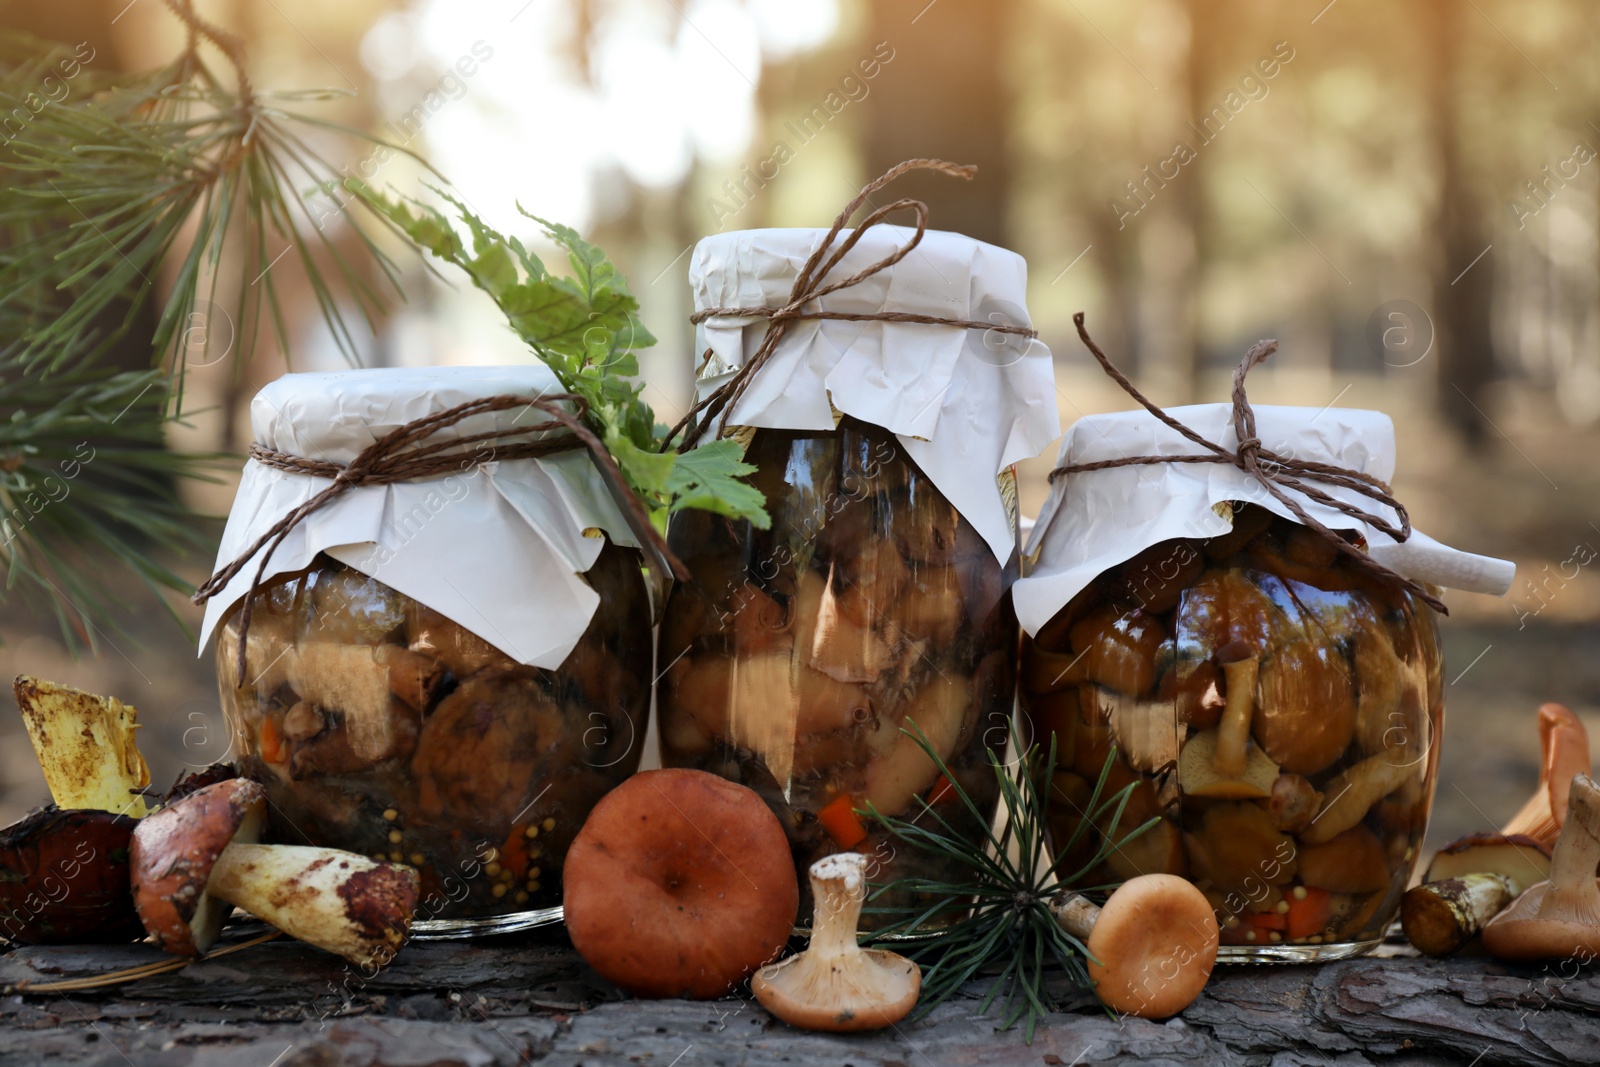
1406 195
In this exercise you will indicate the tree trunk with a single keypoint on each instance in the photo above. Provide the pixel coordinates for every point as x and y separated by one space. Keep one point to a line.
1462 288
944 96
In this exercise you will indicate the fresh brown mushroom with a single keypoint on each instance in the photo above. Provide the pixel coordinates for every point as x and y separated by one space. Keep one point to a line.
200 852
835 984
1520 858
64 867
1240 664
1564 744
1559 918
1151 947
1439 918
1469 882
64 879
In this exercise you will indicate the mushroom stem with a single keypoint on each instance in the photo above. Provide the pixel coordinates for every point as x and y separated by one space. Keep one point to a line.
1240 667
1577 853
838 886
1440 917
1076 913
338 901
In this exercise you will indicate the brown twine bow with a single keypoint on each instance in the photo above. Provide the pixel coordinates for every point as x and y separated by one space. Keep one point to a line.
403 455
1277 474
809 286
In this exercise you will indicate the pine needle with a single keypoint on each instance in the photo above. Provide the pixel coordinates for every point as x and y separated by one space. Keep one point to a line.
998 920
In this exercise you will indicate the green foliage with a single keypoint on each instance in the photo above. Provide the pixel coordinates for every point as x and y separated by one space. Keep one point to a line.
585 326
112 190
998 922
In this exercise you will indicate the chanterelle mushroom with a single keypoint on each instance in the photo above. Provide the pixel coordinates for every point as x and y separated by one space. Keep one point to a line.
197 852
835 984
1153 944
1564 745
1559 918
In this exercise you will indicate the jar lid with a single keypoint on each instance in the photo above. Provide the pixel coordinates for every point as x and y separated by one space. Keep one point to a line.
964 403
1095 520
498 546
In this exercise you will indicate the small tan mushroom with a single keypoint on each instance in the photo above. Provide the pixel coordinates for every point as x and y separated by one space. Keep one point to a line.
1559 918
1353 792
834 984
1565 746
199 851
1151 948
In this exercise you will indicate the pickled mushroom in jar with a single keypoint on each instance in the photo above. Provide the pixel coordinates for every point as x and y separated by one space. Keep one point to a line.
1224 606
842 647
930 605
484 743
1120 649
1306 710
349 607
939 710
1236 845
865 580
459 650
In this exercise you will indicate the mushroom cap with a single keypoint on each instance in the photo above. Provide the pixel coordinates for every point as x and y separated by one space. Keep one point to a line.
873 989
1522 859
173 853
835 985
64 878
1154 944
680 883
1519 933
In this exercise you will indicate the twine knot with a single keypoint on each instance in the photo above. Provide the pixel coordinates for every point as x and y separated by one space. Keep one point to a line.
407 453
1285 478
811 285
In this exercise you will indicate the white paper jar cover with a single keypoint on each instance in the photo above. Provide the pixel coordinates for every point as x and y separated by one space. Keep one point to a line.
1095 520
499 547
964 403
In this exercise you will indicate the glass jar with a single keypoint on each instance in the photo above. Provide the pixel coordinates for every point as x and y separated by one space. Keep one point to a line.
378 725
795 655
1272 707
